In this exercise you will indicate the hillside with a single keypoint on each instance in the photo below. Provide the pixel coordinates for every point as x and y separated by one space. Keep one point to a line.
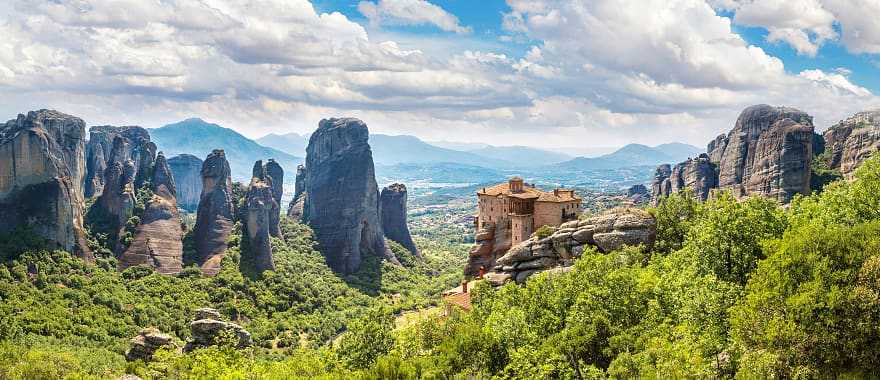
632 155
291 143
198 137
391 150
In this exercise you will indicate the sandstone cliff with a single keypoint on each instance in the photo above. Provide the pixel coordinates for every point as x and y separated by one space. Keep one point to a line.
115 205
343 197
852 141
296 209
99 153
492 242
188 178
768 153
275 177
42 165
158 239
214 219
392 203
260 217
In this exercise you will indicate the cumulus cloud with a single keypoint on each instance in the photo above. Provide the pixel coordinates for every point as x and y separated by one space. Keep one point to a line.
411 12
596 73
807 24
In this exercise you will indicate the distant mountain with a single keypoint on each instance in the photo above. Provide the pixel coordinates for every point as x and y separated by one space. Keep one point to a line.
633 155
198 137
437 174
391 150
462 146
679 151
291 143
523 155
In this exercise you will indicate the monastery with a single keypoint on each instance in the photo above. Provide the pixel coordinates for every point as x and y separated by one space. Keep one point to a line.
522 208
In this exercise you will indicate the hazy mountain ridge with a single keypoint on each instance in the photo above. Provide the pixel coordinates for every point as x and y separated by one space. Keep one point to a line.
198 137
633 155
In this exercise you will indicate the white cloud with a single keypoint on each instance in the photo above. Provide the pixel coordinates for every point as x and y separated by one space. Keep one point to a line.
411 12
807 24
835 81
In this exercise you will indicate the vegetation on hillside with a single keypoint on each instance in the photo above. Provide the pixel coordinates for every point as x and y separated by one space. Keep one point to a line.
733 289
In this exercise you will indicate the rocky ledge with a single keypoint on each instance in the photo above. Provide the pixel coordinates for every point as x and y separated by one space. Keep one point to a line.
607 232
209 330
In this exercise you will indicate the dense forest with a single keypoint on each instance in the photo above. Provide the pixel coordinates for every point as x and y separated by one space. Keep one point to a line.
732 289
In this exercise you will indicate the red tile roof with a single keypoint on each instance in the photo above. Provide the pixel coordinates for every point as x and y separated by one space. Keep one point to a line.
530 192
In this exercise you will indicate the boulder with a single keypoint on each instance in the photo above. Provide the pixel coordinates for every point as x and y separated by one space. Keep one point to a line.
343 198
186 170
145 344
208 330
158 239
214 219
392 202
42 168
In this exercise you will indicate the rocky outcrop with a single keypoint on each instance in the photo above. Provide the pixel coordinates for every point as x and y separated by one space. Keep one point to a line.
209 329
851 141
42 166
275 176
296 209
392 202
145 344
343 197
158 239
115 205
188 178
260 217
638 189
606 232
767 153
99 154
492 241
214 218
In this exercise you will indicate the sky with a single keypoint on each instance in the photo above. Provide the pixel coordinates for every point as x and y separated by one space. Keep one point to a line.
543 73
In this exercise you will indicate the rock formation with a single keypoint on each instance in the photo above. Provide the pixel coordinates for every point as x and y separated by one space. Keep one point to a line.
261 216
215 213
42 165
276 179
115 205
492 241
343 197
296 210
392 203
767 153
158 239
638 189
851 141
209 327
99 154
606 232
145 344
188 179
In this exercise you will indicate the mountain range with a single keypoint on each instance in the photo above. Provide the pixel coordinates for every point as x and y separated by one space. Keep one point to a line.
198 137
398 155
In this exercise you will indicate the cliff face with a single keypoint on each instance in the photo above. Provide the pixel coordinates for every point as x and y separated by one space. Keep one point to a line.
261 217
275 176
343 197
99 153
393 206
768 153
158 239
188 178
42 164
852 141
215 213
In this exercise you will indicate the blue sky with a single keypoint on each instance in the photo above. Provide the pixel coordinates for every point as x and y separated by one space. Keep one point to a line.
544 73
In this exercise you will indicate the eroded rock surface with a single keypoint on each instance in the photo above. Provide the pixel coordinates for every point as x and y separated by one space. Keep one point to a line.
214 219
607 232
261 217
99 154
188 178
296 209
851 141
208 330
146 343
393 206
158 239
492 241
343 198
42 165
